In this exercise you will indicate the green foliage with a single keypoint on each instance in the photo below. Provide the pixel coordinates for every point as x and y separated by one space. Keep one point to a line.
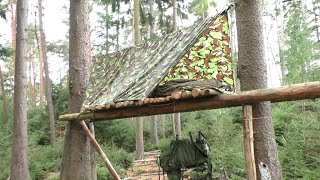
297 131
201 7
44 159
118 133
302 50
120 159
224 136
60 99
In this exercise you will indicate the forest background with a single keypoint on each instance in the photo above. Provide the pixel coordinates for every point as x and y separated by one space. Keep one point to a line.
293 50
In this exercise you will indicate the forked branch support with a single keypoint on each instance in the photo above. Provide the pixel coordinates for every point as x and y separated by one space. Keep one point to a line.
285 93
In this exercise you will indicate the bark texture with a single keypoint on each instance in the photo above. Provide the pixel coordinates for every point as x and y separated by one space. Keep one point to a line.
152 15
41 67
174 15
177 125
253 75
139 121
76 159
4 102
13 31
47 77
164 126
154 130
139 139
19 162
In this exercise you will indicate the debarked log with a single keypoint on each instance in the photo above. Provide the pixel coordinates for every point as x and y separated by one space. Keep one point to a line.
286 93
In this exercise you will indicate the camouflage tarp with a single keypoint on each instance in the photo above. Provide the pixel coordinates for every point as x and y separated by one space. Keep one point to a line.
199 52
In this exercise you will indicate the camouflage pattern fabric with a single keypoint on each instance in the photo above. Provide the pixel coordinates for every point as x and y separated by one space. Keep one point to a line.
209 58
133 73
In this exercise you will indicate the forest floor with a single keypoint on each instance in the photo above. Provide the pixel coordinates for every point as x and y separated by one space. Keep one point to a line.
146 169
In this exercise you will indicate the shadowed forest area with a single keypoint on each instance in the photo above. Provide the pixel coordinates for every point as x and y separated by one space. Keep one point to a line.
292 45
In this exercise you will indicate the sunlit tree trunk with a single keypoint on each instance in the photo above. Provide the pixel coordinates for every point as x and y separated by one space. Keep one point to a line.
164 126
139 121
4 102
47 77
13 31
41 68
152 14
280 31
177 125
76 158
253 75
154 130
34 97
175 117
19 162
174 15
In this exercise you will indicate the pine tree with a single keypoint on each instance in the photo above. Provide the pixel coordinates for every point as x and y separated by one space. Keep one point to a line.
19 162
253 75
76 158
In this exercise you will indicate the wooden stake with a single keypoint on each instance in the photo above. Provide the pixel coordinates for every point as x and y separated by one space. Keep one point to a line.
99 150
248 142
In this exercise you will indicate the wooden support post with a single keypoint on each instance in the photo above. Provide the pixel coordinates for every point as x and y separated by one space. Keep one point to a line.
248 142
100 151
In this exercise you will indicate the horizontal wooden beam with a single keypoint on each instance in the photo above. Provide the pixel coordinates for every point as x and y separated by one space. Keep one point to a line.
285 93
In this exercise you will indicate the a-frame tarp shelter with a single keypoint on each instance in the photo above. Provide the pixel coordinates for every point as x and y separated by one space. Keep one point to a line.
199 52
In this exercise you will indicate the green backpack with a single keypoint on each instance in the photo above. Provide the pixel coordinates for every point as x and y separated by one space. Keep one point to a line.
183 154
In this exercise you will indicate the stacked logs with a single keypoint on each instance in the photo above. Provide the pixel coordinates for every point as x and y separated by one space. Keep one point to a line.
176 95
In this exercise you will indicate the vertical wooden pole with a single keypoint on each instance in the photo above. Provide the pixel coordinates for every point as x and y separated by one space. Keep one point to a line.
248 142
100 151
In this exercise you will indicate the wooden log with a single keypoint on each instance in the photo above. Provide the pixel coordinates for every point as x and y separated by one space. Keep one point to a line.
186 94
99 150
146 101
168 98
209 92
195 92
98 107
119 105
248 142
285 93
176 94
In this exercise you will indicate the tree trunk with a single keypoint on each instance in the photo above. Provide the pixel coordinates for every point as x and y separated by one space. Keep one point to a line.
139 122
107 29
173 126
13 31
164 126
175 117
174 15
139 139
41 66
177 123
34 97
47 78
154 125
281 38
136 22
253 75
4 102
19 162
152 15
76 158
154 129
